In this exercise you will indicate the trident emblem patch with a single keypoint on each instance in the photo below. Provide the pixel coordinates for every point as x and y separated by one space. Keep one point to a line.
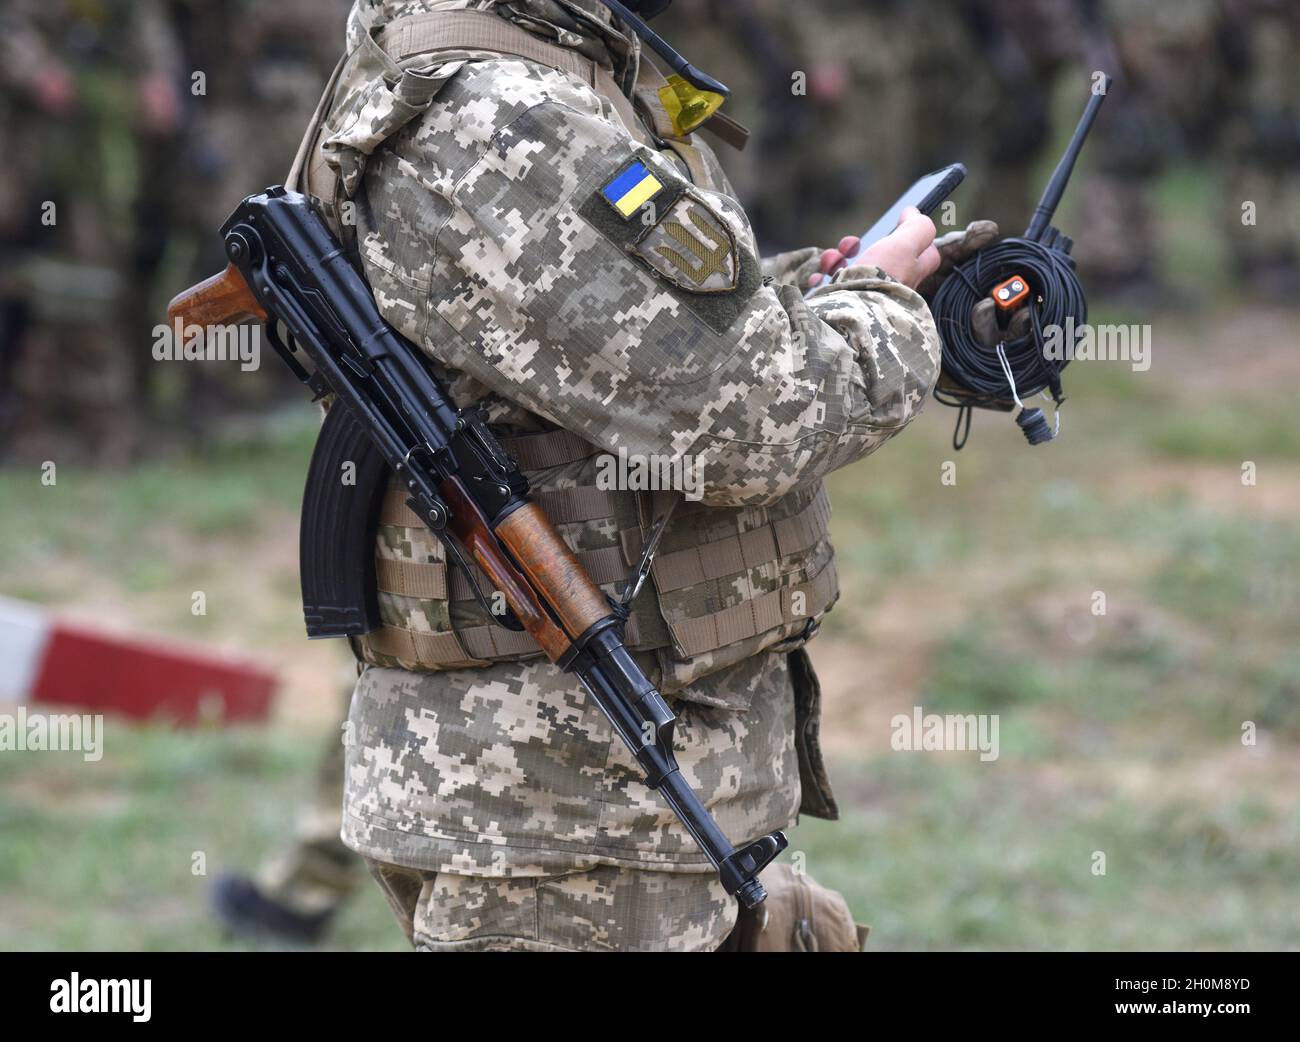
692 248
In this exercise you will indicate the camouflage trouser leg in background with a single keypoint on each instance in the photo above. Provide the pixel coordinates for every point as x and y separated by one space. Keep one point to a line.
603 909
315 872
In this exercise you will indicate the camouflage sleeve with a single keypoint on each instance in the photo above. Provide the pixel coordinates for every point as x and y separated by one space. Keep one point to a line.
584 277
792 268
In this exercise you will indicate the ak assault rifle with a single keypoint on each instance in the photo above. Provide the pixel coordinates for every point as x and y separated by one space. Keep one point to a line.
390 414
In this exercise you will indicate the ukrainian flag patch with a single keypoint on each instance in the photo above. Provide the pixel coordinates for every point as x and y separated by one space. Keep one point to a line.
632 189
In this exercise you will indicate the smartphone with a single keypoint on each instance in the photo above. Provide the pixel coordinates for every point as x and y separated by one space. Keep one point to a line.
925 194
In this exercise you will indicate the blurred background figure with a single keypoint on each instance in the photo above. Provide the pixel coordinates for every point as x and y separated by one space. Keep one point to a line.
1170 75
1209 82
134 127
90 89
253 74
1259 128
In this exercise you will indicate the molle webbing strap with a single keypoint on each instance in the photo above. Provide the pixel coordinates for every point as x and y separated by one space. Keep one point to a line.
469 30
473 646
563 505
672 571
750 618
463 649
433 580
453 31
735 554
728 131
476 645
539 451
394 511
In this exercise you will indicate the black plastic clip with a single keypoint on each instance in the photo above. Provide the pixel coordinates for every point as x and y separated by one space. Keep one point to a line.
634 584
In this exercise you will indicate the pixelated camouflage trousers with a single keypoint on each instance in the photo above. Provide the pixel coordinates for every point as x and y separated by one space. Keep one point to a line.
604 909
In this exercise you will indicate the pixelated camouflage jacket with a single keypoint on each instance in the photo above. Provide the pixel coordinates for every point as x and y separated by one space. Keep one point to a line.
487 197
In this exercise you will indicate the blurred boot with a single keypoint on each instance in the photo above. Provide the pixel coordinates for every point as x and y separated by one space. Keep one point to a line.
297 892
246 911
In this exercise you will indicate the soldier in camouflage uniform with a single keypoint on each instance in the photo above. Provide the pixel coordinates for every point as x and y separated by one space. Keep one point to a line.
950 80
1168 78
1259 134
252 73
486 190
34 88
117 61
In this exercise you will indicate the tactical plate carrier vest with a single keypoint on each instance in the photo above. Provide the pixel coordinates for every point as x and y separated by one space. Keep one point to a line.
727 583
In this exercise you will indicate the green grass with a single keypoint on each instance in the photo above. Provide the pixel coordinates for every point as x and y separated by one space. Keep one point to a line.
946 853
108 518
102 855
1119 733
936 851
1229 432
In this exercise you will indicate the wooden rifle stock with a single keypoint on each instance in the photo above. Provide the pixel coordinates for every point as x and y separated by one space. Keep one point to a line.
223 298
553 569
470 526
550 570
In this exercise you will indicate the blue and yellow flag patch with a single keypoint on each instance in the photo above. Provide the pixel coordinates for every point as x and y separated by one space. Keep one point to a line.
632 189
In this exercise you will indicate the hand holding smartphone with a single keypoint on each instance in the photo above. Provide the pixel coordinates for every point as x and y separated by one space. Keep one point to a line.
925 195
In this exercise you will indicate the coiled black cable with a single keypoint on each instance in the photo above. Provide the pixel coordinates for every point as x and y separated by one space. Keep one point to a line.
1055 297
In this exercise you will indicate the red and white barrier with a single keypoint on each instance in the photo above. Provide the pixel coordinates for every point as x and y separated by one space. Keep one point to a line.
48 661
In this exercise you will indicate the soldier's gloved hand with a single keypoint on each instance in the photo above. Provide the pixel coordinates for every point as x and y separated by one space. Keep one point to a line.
907 254
955 249
984 324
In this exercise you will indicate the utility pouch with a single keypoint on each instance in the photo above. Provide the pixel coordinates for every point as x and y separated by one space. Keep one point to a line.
818 801
800 915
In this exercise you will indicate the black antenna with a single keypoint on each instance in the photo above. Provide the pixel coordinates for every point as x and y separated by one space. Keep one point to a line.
692 75
1061 175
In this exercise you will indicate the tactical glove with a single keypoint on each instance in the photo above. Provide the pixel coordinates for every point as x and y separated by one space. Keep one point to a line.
955 249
